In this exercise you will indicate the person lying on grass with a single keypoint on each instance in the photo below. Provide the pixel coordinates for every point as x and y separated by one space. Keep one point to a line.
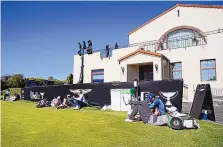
145 110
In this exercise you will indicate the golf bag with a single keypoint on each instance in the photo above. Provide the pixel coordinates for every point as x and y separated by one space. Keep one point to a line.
42 103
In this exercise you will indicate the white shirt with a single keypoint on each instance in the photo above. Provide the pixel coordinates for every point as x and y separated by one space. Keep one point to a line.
7 92
81 98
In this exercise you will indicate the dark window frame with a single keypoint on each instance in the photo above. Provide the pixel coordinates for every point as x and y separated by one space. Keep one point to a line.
175 71
92 73
184 42
202 69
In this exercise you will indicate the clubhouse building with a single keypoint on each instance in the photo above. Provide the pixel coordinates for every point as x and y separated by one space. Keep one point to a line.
184 42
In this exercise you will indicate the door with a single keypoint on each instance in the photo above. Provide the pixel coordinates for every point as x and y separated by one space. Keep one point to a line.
146 72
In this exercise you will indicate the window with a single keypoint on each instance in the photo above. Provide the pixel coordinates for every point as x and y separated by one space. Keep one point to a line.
97 76
177 70
181 38
148 76
208 70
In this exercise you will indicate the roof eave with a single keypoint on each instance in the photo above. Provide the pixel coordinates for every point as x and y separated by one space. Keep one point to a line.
180 5
137 52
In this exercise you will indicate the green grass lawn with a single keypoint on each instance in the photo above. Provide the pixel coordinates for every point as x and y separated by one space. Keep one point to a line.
24 125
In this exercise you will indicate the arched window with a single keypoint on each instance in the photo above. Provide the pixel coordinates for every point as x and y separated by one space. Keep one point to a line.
181 37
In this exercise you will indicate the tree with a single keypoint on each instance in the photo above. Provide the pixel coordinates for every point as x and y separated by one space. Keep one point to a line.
4 80
58 82
16 81
3 84
6 77
50 78
39 80
70 78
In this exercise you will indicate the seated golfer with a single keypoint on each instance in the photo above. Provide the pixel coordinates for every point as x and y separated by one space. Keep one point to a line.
145 110
56 102
14 98
156 105
140 107
7 93
67 102
80 101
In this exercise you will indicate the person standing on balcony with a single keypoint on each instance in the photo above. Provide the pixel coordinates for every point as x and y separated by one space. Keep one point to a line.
107 50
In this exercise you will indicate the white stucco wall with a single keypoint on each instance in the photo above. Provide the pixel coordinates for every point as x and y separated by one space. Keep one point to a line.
190 58
142 58
111 66
132 72
204 19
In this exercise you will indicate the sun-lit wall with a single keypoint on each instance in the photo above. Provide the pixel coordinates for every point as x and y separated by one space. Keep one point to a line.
204 19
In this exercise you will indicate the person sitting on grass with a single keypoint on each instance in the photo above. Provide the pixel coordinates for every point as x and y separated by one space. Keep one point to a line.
43 103
145 110
80 101
14 98
7 94
56 102
67 103
156 105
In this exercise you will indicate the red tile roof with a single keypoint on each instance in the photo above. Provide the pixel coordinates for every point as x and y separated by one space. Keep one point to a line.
180 5
140 51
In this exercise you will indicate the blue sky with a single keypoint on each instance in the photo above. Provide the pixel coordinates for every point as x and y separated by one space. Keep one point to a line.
39 39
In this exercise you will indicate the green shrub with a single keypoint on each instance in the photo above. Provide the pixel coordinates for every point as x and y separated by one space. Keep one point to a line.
13 91
39 80
57 82
16 81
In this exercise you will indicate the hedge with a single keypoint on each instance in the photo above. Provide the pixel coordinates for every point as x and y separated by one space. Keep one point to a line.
12 91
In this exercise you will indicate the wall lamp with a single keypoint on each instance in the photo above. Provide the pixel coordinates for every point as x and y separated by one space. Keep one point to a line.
123 69
156 66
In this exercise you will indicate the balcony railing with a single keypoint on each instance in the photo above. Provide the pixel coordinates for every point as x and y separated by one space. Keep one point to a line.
185 91
174 43
104 53
155 45
217 94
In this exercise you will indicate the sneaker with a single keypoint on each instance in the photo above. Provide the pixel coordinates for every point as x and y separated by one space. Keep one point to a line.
138 118
76 108
129 120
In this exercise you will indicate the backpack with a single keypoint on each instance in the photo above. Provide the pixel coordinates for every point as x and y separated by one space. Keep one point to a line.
41 104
